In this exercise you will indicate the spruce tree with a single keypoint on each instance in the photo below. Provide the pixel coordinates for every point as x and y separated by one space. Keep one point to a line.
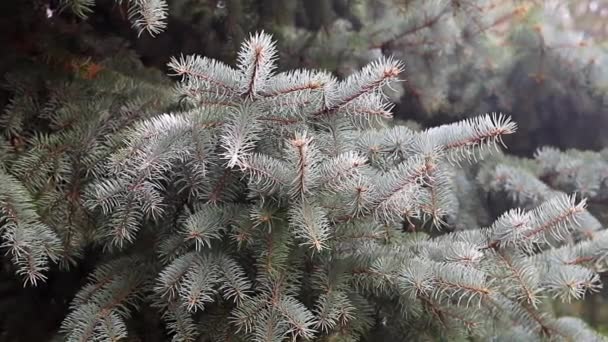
271 206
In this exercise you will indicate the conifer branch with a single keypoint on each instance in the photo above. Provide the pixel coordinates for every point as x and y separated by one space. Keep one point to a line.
466 139
370 80
256 62
148 15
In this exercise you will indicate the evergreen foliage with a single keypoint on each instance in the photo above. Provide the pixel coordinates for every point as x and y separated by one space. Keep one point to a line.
267 206
144 15
62 121
541 61
534 59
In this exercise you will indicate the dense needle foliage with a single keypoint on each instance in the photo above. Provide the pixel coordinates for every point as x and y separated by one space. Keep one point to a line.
269 206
